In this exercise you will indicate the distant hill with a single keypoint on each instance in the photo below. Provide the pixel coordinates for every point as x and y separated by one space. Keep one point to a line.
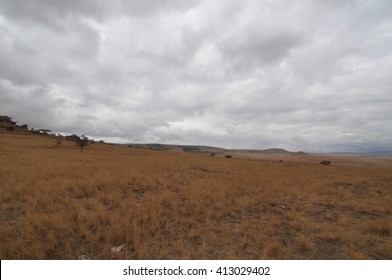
272 151
208 150
179 148
372 153
386 152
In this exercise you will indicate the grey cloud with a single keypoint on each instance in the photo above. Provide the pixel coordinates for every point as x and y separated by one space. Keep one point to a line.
148 7
35 106
84 42
259 46
31 55
53 14
305 75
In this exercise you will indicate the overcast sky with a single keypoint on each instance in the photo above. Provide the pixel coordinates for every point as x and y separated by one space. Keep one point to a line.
300 75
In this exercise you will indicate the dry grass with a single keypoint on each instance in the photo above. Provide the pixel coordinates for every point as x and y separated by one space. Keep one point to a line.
59 203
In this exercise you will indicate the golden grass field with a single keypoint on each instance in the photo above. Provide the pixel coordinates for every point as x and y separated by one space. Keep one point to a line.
60 203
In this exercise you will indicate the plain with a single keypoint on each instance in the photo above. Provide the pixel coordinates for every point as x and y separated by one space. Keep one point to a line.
59 203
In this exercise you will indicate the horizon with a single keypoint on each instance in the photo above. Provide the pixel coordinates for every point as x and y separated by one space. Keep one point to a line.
387 151
230 74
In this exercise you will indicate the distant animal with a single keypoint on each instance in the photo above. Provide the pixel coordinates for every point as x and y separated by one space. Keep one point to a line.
325 162
228 156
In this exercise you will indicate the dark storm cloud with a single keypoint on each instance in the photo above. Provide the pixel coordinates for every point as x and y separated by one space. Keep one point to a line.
303 75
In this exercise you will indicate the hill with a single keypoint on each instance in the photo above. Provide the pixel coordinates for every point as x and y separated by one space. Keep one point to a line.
208 150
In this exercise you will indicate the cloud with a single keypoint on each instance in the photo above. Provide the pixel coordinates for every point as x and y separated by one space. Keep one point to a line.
304 75
258 46
56 14
52 14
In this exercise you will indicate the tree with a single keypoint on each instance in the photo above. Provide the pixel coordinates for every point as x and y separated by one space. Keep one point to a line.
82 142
59 142
6 119
10 128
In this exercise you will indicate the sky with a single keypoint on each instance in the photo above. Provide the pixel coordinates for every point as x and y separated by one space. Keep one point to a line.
306 75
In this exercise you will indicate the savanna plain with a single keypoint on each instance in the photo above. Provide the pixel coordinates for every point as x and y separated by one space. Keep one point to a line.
57 202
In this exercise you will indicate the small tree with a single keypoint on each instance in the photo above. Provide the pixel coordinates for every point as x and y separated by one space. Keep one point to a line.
5 119
59 142
82 142
10 128
325 162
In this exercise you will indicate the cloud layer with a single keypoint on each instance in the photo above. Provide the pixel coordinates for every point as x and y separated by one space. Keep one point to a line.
309 75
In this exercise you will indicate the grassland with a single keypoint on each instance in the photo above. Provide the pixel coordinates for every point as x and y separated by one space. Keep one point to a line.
60 203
